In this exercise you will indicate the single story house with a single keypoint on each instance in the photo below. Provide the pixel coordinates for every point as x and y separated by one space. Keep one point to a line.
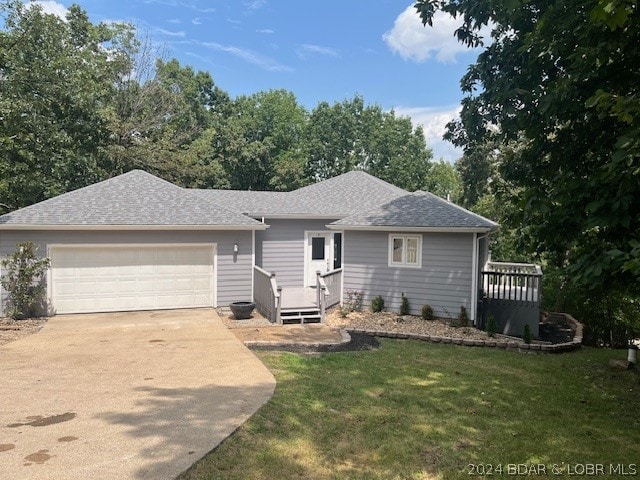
137 242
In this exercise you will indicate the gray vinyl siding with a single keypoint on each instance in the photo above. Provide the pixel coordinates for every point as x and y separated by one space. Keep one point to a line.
444 280
233 277
282 248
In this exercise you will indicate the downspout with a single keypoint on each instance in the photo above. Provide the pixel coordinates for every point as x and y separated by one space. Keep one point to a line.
475 273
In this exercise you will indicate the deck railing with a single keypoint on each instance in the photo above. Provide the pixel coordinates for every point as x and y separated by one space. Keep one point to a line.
514 282
267 295
328 287
333 281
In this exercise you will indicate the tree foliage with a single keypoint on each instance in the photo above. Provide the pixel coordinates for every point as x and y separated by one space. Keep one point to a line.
351 135
81 102
55 77
562 78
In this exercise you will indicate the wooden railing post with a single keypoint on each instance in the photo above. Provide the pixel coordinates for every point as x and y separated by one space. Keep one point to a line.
323 301
318 273
278 306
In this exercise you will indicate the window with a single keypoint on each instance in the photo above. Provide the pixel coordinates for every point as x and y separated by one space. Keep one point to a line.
405 250
317 248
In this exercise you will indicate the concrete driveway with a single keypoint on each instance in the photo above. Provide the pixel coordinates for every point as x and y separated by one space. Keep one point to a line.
123 396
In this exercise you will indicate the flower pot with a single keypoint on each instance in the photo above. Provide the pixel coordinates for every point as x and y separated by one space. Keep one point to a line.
242 310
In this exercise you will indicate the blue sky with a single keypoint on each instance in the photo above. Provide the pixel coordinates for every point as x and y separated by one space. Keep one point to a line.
326 50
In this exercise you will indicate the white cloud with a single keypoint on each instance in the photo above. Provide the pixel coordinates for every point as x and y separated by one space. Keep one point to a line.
249 56
175 21
266 31
196 21
254 4
433 121
169 33
306 50
52 8
413 41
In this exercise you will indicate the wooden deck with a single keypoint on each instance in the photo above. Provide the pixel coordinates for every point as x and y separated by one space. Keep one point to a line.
299 298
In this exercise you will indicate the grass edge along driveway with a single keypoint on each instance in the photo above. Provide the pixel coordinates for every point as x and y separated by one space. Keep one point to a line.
418 410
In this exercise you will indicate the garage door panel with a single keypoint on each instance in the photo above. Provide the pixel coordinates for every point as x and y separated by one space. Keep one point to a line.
92 279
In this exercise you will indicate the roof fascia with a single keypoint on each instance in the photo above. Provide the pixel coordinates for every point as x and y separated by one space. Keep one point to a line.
385 228
9 226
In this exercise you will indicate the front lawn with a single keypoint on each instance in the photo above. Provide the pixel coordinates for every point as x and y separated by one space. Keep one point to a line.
420 410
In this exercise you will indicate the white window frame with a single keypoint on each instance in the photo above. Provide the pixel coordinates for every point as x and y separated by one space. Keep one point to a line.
403 263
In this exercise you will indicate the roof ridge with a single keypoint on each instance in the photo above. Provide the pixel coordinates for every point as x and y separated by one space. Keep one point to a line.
462 209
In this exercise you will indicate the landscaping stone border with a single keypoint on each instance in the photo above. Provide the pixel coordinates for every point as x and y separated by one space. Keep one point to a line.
285 345
512 345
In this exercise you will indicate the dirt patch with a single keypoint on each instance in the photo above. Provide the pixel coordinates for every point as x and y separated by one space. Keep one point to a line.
556 329
4 447
67 439
44 421
11 330
359 342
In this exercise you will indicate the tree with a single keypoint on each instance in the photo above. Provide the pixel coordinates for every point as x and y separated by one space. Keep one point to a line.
352 136
443 180
563 77
260 144
55 76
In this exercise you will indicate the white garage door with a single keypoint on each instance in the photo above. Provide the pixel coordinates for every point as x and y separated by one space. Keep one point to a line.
124 278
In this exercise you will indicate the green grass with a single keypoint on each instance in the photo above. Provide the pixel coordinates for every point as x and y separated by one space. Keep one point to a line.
414 410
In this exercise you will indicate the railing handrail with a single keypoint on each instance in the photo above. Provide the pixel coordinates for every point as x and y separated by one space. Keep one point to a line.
262 270
331 272
274 286
508 267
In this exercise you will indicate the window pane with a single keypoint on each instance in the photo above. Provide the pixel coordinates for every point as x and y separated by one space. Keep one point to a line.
317 248
397 250
412 250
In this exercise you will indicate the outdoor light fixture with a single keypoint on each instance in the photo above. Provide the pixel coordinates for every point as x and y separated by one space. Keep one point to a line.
235 248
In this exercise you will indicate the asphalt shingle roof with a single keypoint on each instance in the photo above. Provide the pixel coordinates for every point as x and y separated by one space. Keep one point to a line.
333 198
417 210
135 198
138 198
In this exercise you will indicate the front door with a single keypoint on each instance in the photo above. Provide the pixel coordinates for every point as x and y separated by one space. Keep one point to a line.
318 255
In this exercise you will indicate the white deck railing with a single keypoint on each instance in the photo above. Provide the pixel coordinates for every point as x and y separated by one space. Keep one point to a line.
516 282
333 281
267 295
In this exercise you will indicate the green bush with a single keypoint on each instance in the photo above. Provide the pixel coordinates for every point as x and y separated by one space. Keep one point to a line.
405 308
463 317
24 282
427 312
492 326
377 304
526 334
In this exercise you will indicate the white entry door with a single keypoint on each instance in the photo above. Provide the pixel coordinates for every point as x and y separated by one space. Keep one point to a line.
318 255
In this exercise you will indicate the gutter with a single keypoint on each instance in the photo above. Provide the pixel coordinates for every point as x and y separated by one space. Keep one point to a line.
257 226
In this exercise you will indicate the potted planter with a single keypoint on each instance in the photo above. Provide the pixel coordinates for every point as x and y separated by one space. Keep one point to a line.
242 310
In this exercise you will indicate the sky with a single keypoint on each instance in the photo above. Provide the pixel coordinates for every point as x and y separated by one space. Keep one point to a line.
321 50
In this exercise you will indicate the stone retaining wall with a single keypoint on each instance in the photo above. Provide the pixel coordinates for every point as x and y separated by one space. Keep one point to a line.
493 342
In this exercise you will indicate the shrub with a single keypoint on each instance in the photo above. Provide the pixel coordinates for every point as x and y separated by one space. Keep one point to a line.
463 317
492 326
526 334
24 281
427 312
377 304
354 301
405 307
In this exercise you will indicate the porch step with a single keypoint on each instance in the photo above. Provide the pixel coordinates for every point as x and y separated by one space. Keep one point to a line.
300 315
